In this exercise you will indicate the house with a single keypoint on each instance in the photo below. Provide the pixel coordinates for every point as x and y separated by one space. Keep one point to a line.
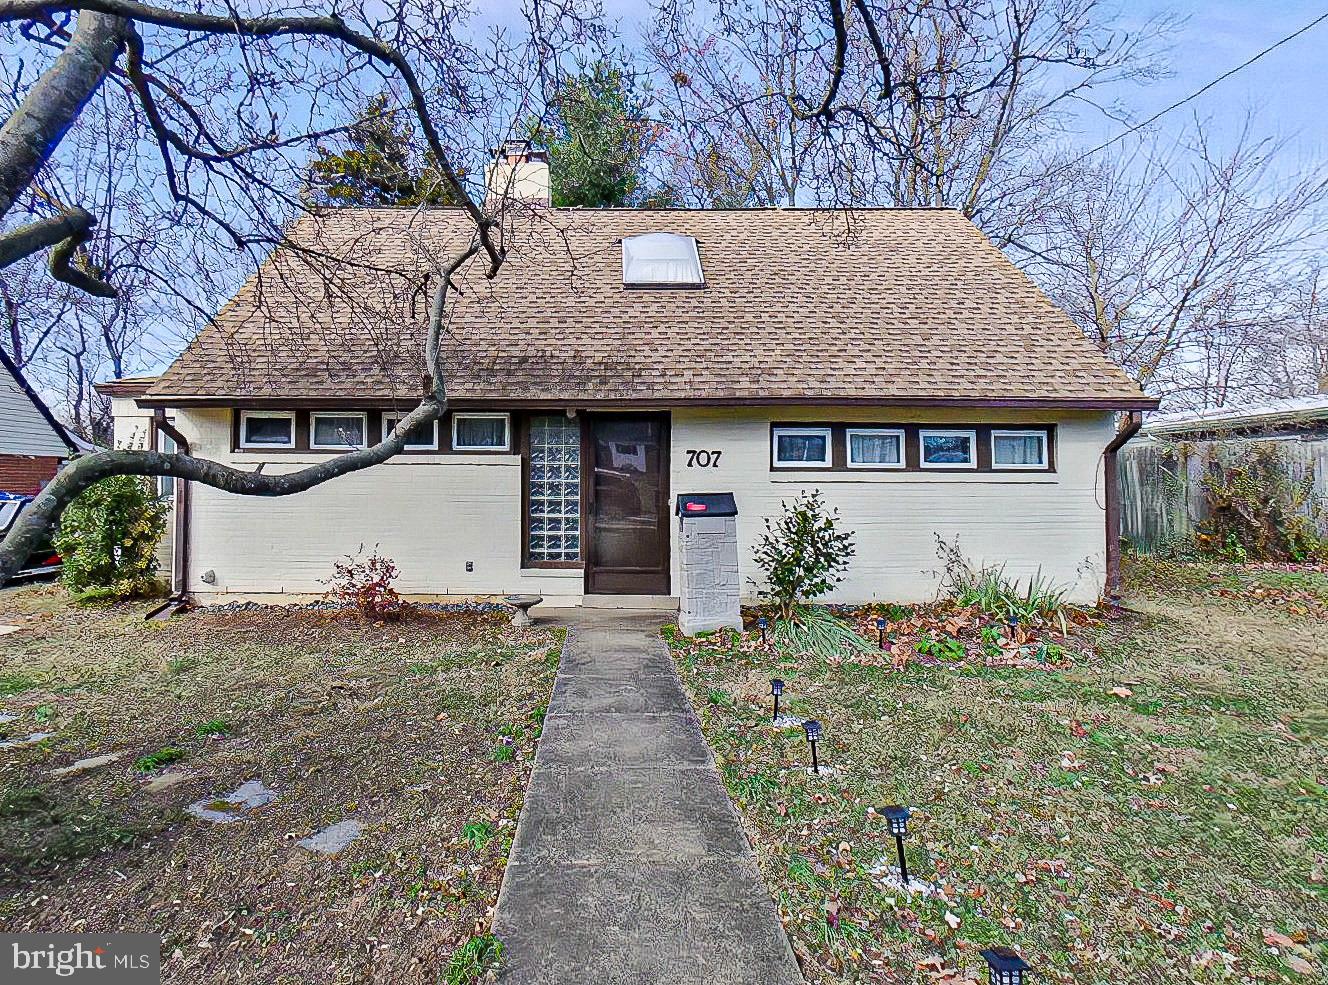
892 358
1291 418
33 444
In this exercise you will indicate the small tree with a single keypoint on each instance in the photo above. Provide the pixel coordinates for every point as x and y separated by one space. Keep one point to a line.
802 554
108 538
366 584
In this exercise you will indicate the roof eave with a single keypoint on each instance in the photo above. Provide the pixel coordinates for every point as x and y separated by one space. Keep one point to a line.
1121 403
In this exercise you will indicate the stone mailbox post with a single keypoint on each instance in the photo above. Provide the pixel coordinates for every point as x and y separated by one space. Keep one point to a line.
709 588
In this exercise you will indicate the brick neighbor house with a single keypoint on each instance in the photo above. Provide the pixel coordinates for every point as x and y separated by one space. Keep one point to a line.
33 444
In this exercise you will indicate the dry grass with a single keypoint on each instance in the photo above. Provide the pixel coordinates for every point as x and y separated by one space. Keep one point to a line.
394 725
1156 810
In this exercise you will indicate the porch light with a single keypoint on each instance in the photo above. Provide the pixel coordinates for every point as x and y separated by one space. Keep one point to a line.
896 818
763 624
776 688
880 631
813 729
1005 966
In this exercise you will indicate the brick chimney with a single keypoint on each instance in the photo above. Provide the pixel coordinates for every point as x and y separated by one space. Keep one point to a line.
520 171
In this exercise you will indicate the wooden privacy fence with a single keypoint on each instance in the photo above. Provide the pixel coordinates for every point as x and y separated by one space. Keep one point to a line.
1161 482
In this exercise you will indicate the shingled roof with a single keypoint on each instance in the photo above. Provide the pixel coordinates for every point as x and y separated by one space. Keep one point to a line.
884 306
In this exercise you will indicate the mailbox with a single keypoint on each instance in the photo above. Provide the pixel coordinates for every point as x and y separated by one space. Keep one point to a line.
709 588
707 504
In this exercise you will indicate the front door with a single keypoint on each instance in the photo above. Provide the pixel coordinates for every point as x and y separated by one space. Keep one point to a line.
628 496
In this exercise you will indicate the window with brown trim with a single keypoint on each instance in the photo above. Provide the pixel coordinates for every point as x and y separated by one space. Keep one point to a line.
890 447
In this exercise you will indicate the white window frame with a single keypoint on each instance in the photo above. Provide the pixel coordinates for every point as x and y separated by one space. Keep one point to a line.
245 415
972 436
1038 433
507 431
848 448
394 419
340 445
778 431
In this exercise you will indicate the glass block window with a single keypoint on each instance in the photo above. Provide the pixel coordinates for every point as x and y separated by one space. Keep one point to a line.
554 519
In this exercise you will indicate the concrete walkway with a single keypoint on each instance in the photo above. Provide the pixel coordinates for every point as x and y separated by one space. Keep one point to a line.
630 866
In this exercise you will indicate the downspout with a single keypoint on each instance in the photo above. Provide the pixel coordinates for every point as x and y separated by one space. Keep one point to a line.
1134 420
180 546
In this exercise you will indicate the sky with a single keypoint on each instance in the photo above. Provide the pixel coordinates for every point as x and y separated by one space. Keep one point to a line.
1286 89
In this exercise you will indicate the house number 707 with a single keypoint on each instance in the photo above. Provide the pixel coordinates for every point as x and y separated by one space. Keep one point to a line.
700 458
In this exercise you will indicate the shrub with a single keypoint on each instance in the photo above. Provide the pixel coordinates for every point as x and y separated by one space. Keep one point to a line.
108 539
817 631
988 589
1257 509
366 584
801 553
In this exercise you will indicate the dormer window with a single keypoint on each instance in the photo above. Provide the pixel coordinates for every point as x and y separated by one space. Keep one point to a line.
661 260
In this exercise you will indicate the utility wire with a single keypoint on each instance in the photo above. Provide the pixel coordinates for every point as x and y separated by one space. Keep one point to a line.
1196 94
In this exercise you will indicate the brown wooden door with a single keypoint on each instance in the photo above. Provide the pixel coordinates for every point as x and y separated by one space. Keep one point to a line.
628 504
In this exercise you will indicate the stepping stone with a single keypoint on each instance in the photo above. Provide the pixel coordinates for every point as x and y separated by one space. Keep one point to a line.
233 806
166 780
333 838
84 765
6 630
30 740
6 717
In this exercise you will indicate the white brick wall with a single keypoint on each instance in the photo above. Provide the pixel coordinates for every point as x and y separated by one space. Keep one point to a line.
429 513
432 513
1026 521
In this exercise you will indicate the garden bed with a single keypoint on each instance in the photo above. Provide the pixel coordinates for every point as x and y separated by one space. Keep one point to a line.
1153 804
413 737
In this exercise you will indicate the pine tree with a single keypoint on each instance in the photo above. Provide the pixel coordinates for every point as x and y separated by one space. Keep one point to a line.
598 137
377 165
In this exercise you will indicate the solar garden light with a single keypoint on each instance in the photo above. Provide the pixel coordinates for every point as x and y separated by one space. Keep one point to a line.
763 623
1005 966
813 729
776 688
880 631
896 818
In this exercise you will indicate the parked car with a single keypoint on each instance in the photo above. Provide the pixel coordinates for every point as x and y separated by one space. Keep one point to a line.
42 561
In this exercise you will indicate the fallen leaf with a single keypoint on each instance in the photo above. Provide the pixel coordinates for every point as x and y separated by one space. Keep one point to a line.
1274 938
1300 965
1121 692
952 920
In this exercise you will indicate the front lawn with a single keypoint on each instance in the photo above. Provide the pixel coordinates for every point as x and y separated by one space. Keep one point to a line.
1151 807
420 731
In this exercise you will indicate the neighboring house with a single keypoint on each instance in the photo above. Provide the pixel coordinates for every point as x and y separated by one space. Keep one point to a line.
1292 418
892 358
33 444
1162 471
